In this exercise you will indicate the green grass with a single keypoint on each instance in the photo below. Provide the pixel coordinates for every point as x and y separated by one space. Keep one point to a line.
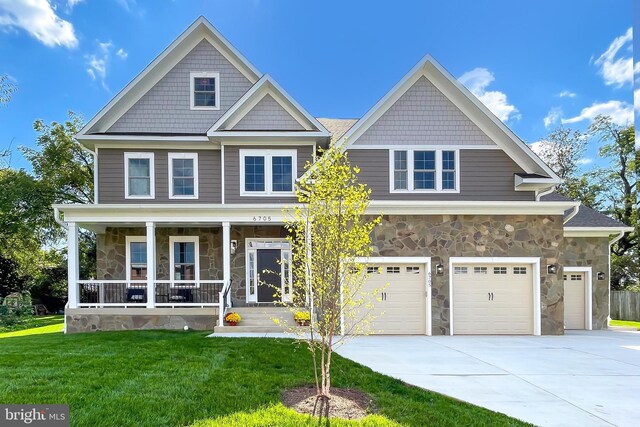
627 323
30 323
163 378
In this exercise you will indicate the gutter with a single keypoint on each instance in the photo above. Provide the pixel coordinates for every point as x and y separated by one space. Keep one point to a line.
56 216
573 213
544 193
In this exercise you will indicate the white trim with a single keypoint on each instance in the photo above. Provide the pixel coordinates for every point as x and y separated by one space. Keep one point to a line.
129 240
409 260
222 174
152 175
465 101
267 86
96 180
192 76
230 134
151 264
437 171
256 140
535 262
595 231
184 239
192 156
588 293
73 264
201 29
256 245
423 147
268 171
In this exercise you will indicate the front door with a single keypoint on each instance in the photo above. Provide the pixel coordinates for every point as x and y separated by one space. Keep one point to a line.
269 280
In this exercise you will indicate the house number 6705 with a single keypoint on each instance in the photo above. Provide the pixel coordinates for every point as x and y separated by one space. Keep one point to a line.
262 218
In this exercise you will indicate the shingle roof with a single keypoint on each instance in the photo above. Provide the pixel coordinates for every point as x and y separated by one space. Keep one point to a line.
337 127
586 217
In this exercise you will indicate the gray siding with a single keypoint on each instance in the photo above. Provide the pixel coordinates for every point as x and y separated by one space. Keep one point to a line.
423 116
484 175
232 174
111 176
267 114
166 107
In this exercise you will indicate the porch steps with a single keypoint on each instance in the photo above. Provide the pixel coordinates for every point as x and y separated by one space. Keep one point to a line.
259 320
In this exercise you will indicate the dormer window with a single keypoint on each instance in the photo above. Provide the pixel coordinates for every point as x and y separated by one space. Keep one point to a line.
205 91
424 171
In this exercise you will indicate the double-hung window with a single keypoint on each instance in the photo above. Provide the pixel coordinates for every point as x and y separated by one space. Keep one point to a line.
184 260
136 257
424 171
183 175
205 91
139 176
267 172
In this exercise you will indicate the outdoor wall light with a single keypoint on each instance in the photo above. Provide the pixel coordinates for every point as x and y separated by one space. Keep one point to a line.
439 269
600 275
552 268
234 246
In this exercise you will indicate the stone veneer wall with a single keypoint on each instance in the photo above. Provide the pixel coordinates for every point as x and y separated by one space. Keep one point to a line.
111 251
445 236
591 252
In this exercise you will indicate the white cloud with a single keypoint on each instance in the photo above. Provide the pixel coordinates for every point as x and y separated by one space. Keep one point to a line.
567 94
636 99
72 3
617 69
122 54
477 81
620 112
537 147
584 161
38 18
98 62
553 116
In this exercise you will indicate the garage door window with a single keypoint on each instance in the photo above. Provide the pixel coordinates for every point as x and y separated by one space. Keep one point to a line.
499 270
393 270
576 277
460 270
479 270
413 270
373 270
519 270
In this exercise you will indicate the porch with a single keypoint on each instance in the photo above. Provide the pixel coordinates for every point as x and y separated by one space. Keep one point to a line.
169 269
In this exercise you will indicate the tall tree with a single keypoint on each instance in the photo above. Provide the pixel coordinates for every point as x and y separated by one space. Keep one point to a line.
562 150
620 193
328 232
7 88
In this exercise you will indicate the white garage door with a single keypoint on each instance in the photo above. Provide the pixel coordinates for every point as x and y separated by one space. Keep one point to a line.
574 303
492 299
400 305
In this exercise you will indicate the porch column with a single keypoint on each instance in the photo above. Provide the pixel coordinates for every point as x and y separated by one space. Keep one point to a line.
226 257
73 270
151 265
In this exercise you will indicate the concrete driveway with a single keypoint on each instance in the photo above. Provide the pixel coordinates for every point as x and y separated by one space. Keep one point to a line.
586 378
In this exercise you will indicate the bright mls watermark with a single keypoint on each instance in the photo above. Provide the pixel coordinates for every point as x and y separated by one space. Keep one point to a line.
34 415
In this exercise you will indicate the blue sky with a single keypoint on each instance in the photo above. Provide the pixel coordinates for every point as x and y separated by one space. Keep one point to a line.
563 61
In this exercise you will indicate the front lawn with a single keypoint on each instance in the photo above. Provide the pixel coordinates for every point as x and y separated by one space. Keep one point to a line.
626 323
27 324
162 378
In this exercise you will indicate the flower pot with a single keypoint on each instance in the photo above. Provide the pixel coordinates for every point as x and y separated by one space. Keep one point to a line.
303 323
232 323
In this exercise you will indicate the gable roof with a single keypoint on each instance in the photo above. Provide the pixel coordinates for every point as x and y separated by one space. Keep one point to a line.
266 86
467 103
200 29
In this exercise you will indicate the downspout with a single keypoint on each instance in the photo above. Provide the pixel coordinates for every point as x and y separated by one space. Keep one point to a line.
573 213
56 216
544 193
615 239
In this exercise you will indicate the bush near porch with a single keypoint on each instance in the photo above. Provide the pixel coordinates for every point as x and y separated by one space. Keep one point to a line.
163 378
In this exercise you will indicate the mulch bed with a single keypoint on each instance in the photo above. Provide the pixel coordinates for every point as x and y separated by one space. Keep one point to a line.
344 403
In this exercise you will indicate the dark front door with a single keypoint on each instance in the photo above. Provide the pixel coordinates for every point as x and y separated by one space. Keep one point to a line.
269 283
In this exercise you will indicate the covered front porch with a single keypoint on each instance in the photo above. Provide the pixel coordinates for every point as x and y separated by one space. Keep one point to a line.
161 273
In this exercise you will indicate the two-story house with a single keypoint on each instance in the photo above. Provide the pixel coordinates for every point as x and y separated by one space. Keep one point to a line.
196 158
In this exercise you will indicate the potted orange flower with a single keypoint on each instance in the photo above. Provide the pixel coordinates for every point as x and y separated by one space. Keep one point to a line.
232 318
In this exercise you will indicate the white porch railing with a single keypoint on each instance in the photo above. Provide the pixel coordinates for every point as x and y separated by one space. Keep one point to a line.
135 293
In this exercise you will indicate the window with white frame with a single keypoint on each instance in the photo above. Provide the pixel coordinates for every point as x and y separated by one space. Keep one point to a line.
372 269
479 270
183 175
413 270
267 172
519 270
393 270
499 270
184 260
460 270
136 258
414 170
139 176
205 90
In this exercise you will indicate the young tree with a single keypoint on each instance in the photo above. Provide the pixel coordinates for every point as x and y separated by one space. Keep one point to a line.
328 232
